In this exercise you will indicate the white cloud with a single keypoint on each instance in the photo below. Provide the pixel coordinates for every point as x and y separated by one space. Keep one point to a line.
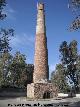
22 40
52 67
29 38
23 43
10 12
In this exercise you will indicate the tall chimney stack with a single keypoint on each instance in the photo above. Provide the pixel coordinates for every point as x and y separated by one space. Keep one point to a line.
41 88
41 72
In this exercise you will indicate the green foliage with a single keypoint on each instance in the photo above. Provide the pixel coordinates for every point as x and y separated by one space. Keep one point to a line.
75 4
13 69
18 70
78 70
5 56
58 78
69 57
4 39
67 74
5 60
68 52
75 7
2 4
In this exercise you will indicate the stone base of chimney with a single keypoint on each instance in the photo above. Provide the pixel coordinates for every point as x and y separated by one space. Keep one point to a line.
41 91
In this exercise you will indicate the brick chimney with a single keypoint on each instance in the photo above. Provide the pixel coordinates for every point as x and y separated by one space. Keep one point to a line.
41 72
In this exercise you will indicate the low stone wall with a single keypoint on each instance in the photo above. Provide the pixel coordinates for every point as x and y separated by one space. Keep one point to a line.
13 94
78 95
68 95
62 95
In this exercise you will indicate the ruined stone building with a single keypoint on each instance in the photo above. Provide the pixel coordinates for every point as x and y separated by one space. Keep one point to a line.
41 87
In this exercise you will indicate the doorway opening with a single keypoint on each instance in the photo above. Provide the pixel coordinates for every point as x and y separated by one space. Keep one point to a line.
46 95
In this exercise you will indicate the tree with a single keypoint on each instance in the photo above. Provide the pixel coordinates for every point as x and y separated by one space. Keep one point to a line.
5 56
5 60
69 57
18 70
78 70
5 35
75 6
58 78
2 4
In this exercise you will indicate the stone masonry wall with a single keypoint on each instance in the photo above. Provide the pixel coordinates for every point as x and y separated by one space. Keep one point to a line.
30 90
37 90
41 88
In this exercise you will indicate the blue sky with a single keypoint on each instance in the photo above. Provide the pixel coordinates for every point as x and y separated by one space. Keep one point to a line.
21 16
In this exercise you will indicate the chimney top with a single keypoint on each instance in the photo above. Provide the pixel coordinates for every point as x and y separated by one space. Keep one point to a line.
40 6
